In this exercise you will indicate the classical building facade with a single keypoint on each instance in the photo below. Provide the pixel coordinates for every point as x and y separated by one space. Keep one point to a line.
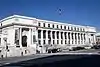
21 35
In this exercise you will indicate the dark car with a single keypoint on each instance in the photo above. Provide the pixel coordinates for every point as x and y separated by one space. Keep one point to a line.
96 47
54 50
77 48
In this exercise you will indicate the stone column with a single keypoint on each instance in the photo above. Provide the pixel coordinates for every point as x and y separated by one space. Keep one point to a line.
77 38
59 37
20 37
56 37
83 39
70 38
63 38
67 36
80 39
51 38
74 38
47 37
42 37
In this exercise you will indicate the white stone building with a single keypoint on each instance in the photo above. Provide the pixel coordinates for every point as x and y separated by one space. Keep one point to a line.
21 35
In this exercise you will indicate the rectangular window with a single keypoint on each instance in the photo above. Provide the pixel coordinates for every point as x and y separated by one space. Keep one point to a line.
57 26
39 24
39 42
39 33
44 34
43 41
48 25
64 27
65 42
61 41
57 35
34 38
57 41
53 25
65 35
61 35
53 42
61 27
43 24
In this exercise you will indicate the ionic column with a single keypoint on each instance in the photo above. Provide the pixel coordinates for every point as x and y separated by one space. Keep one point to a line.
20 37
59 37
74 38
47 37
77 38
63 38
55 37
82 38
70 38
42 37
67 37
51 38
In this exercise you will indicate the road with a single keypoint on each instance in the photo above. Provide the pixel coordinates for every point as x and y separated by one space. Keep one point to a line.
55 59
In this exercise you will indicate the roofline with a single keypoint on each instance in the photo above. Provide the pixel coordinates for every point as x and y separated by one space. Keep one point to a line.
31 18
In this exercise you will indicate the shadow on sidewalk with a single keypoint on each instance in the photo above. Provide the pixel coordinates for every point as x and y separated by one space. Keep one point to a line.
61 61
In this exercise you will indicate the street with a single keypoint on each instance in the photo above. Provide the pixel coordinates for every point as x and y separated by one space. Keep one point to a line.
78 59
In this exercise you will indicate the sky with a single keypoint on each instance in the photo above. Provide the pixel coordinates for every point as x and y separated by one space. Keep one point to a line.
81 12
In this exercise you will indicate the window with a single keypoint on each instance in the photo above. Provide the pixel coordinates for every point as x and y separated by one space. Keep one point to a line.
57 26
84 36
53 25
72 36
39 24
65 35
48 25
61 26
39 33
57 35
68 27
53 34
71 28
53 42
44 34
68 35
75 28
43 24
61 35
57 41
0 41
64 27
39 42
43 41
61 41
34 38
65 42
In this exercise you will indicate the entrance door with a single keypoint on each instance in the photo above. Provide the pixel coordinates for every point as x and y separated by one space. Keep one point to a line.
24 41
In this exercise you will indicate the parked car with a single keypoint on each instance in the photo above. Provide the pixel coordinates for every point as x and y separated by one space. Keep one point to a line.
76 48
96 47
54 50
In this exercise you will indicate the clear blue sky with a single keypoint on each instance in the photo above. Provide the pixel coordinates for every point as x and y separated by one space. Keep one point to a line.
83 12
